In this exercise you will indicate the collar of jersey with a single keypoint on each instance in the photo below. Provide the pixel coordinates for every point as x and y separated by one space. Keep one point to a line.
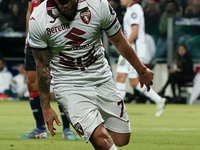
133 3
53 11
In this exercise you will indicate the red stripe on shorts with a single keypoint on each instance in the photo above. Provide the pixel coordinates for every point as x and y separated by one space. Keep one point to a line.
33 93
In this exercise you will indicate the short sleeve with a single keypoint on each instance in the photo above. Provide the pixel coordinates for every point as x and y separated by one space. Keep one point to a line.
109 21
36 35
135 14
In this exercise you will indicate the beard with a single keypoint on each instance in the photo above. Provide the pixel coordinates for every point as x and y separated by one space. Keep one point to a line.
70 12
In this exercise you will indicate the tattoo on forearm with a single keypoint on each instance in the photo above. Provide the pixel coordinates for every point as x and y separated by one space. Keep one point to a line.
43 75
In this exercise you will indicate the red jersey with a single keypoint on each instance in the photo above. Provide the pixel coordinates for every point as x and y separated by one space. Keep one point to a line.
34 3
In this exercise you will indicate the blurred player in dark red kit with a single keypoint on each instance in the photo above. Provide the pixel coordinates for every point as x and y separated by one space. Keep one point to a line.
34 98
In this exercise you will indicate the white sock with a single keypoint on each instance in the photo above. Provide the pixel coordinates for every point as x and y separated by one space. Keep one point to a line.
113 147
122 89
151 94
195 90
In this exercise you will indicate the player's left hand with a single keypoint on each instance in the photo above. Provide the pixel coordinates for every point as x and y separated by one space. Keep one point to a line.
50 116
146 78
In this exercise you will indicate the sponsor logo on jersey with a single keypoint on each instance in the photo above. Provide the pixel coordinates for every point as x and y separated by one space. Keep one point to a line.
75 36
134 15
30 38
85 16
78 47
79 128
58 28
80 63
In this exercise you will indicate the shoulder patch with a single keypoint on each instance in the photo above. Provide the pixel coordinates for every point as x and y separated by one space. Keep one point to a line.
134 15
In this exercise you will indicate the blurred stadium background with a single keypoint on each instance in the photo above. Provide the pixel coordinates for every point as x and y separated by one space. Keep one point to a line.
169 22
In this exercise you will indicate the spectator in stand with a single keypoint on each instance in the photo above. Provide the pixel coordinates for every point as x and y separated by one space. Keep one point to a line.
182 4
4 19
18 84
170 12
183 74
193 9
17 22
191 34
161 5
152 17
1 20
5 77
14 21
4 6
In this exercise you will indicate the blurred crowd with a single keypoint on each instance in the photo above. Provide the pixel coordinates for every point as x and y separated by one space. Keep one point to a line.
156 14
12 15
12 87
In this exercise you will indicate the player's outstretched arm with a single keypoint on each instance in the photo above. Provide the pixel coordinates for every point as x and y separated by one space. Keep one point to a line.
126 50
42 59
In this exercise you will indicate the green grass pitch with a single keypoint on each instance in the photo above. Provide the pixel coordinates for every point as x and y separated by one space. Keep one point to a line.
177 129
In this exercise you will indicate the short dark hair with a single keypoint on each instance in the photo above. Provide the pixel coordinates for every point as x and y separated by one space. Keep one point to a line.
183 46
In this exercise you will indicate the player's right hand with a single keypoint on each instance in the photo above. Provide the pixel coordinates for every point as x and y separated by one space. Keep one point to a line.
50 116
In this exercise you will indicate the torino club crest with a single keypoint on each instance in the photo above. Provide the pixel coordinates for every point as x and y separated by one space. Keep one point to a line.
86 16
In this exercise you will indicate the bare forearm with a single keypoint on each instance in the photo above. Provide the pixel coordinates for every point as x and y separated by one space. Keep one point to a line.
43 81
134 33
132 37
125 49
43 76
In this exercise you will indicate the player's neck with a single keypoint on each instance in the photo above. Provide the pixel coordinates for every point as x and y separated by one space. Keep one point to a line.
70 15
130 3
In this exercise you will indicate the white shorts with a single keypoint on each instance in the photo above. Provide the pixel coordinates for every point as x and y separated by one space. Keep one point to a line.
123 66
88 107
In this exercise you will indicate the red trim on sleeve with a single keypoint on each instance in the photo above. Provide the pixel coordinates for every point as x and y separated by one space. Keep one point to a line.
133 4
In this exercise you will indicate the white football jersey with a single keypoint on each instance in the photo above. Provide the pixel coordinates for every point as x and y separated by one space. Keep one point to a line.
77 53
135 15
